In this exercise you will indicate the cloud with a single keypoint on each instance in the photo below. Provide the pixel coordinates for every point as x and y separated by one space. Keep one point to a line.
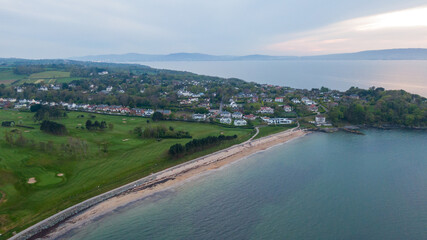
399 29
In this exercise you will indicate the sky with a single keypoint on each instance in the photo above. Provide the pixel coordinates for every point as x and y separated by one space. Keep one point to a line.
71 28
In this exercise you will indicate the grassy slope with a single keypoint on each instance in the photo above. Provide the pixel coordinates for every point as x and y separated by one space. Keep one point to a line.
268 130
7 76
83 178
48 77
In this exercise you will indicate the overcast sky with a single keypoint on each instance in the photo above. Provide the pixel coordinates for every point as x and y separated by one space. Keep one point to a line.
66 28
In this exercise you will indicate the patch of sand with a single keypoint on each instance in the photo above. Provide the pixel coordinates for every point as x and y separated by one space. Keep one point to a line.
60 174
124 121
31 180
124 140
27 131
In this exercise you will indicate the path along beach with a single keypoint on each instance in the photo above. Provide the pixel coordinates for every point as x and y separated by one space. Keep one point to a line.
93 208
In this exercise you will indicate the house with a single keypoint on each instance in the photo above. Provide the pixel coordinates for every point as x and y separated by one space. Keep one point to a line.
295 100
19 90
44 89
278 99
313 108
279 121
148 112
225 120
250 117
266 110
199 117
225 114
109 89
240 122
103 73
307 101
237 115
233 104
320 119
287 108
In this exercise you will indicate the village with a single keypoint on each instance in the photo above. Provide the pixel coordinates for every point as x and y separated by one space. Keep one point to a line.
240 110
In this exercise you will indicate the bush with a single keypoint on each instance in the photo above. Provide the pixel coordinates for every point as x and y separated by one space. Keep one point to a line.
53 128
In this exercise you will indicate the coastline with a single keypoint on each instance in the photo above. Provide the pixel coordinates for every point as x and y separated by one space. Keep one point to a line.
79 214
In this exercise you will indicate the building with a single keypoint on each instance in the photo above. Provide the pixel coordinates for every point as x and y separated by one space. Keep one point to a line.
313 108
320 120
225 120
240 122
295 100
249 117
266 110
279 121
287 108
278 99
225 114
199 117
237 115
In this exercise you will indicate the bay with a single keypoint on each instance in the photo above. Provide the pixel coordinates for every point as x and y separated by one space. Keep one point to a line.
321 186
341 75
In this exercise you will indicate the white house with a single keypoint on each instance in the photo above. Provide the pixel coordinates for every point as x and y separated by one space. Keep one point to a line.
199 117
225 114
266 110
295 100
287 108
237 115
109 89
225 120
279 121
278 99
240 122
320 119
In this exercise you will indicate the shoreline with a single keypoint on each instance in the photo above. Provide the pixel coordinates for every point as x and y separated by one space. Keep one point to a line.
85 212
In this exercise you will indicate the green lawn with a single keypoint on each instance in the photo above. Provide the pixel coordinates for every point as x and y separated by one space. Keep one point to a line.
268 130
7 76
49 74
128 159
47 77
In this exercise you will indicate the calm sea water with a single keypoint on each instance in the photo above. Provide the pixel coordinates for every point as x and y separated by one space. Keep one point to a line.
321 186
341 75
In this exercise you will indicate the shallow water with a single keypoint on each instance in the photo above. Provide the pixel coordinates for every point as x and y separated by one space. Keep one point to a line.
321 186
408 75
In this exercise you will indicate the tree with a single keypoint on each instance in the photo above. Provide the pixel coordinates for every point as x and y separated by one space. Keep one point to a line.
53 128
157 116
88 124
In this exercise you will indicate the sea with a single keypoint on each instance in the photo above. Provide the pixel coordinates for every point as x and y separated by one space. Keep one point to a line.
320 186
306 74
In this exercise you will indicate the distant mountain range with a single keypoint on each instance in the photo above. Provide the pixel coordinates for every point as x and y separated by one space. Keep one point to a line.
387 54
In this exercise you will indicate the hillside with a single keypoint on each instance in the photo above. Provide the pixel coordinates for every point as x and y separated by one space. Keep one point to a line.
386 54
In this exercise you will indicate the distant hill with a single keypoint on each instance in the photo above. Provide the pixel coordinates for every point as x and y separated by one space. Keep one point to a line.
387 54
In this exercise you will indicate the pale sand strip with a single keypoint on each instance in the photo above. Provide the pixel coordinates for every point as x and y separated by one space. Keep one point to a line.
172 177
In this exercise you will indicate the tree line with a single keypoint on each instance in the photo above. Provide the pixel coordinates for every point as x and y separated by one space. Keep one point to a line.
160 132
195 145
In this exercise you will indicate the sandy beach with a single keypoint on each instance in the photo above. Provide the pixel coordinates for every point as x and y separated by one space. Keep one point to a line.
172 177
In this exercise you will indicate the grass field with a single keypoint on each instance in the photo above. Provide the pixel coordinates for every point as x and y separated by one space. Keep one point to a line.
47 77
268 130
128 158
7 76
